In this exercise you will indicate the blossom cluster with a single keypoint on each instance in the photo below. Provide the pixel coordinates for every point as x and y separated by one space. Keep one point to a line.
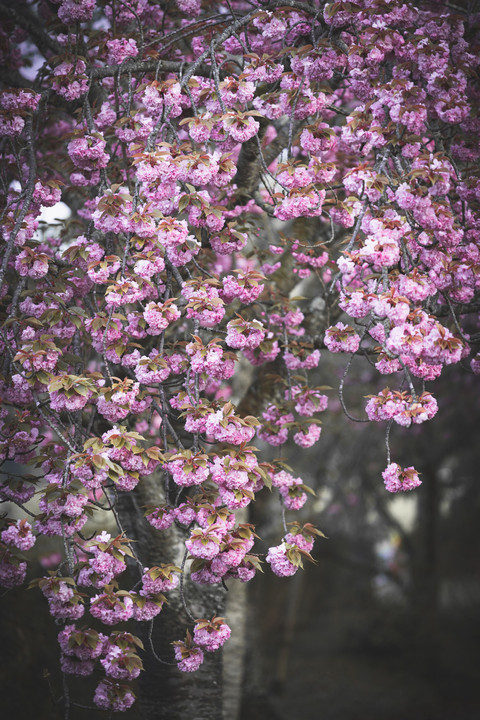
232 224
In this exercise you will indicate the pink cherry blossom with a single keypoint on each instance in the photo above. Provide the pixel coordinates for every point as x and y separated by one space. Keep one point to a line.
400 480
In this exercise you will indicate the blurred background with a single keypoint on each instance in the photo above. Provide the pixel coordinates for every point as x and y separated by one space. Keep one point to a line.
387 624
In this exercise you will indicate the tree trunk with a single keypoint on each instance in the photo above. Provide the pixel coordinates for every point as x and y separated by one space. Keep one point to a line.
166 693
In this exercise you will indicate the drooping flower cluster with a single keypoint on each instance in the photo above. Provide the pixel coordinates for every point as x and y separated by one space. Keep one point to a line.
400 480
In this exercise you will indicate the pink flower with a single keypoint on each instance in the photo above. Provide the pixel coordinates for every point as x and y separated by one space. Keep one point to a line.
228 241
244 335
205 306
398 480
121 664
110 695
211 635
73 11
34 265
87 153
185 514
295 362
121 49
239 127
189 658
74 666
225 426
206 576
246 287
12 570
307 400
19 535
299 205
279 562
244 572
66 610
189 7
309 438
342 338
11 126
187 471
401 407
318 139
301 541
203 544
267 351
152 368
19 100
126 291
85 644
159 579
161 518
210 359
111 608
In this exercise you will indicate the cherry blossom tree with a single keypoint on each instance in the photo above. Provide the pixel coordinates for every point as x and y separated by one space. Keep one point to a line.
250 184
